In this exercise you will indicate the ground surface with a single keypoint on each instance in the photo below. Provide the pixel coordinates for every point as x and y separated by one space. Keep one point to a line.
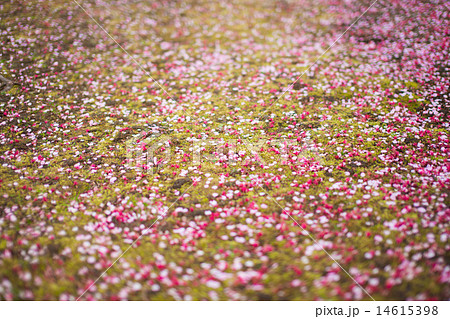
357 153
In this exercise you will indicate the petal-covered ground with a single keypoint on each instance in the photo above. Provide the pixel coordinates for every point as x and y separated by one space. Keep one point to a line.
335 188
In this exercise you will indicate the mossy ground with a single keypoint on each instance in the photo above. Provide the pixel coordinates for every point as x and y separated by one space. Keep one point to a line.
364 169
